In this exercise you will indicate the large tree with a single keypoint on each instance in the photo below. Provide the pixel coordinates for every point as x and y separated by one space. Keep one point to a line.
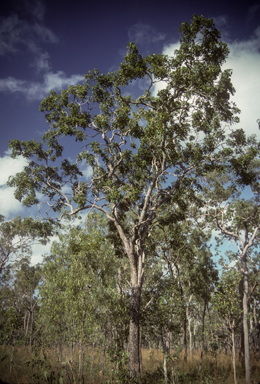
138 152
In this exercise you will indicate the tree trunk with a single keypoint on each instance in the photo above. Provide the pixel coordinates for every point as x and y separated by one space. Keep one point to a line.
256 332
242 346
189 326
190 333
166 352
133 345
202 340
245 321
81 362
195 329
185 336
234 352
31 332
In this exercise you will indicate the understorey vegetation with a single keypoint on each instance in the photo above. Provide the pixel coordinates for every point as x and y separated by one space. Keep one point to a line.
152 194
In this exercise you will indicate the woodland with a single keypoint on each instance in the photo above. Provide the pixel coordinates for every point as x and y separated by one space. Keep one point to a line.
152 195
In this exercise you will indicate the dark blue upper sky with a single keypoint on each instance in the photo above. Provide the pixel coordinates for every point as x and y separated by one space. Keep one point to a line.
48 45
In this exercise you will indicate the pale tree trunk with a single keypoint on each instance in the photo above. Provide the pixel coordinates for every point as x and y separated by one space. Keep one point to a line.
202 340
234 352
243 246
185 336
81 355
245 321
135 251
242 338
256 325
140 348
31 332
81 362
195 329
166 351
189 326
190 334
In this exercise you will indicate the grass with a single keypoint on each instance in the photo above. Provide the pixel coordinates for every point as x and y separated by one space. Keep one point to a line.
43 366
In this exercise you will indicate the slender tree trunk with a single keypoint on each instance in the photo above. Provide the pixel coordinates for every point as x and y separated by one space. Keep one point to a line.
234 352
140 348
27 322
31 332
81 362
242 345
134 344
202 340
190 333
189 326
166 351
245 321
256 331
195 329
185 336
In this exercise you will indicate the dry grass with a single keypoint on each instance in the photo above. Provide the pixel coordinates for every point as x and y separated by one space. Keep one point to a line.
98 368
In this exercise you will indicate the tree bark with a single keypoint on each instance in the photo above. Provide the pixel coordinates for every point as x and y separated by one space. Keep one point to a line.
81 362
245 321
133 345
256 331
242 339
234 352
202 340
189 326
190 333
185 336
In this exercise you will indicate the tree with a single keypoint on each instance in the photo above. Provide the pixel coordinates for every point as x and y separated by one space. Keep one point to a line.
237 219
17 236
141 152
83 269
226 303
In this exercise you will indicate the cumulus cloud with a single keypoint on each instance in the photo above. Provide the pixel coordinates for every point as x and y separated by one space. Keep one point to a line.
38 90
244 60
39 250
17 34
9 206
144 34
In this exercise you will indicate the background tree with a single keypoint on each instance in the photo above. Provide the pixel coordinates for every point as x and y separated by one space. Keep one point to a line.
226 303
238 220
18 235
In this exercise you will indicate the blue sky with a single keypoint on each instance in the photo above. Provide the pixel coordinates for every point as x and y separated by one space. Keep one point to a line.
48 45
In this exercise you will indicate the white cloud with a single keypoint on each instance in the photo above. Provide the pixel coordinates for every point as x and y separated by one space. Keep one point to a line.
39 250
9 166
9 206
87 172
38 90
15 34
144 34
244 60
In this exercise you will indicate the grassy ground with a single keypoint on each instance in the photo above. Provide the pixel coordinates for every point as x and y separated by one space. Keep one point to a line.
43 367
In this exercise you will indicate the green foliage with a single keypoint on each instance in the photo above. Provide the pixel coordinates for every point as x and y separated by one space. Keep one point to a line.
166 126
82 270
